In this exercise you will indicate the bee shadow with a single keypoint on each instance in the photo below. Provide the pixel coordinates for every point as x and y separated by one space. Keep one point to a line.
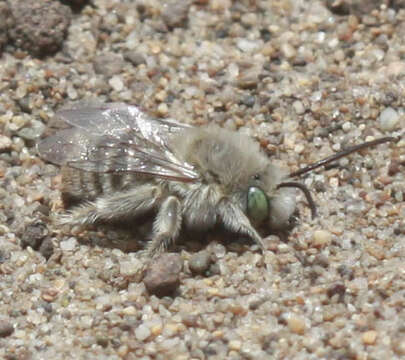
134 235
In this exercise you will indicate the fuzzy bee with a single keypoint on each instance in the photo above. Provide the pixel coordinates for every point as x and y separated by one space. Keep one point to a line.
120 164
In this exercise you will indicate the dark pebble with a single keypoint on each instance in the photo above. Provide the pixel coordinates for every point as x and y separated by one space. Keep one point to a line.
345 272
135 58
265 34
321 260
222 33
175 13
355 7
102 341
40 26
337 288
249 100
33 235
46 249
162 275
76 4
6 329
338 7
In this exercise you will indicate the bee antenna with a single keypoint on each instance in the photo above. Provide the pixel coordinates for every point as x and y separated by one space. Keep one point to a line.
341 154
304 189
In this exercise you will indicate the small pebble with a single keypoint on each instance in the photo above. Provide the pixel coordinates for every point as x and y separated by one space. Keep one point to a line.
135 58
388 119
235 345
116 83
69 244
162 109
123 351
6 329
298 107
369 337
249 19
156 329
72 93
248 45
130 267
161 95
200 262
5 143
49 294
395 68
108 64
46 248
142 332
321 238
175 13
34 234
296 324
129 310
346 126
299 148
337 288
399 345
339 7
33 131
102 341
162 274
288 51
249 100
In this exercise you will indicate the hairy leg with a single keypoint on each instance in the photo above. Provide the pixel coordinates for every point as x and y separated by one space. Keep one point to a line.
235 220
166 226
117 206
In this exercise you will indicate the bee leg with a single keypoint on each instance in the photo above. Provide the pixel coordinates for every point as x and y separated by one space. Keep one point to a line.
166 226
117 206
235 220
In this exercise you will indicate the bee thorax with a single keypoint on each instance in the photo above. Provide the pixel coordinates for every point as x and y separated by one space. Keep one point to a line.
200 206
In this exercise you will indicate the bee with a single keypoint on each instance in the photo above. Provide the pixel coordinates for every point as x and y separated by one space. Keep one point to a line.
118 163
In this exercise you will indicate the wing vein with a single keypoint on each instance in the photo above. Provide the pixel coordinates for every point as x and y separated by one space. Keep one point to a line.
117 138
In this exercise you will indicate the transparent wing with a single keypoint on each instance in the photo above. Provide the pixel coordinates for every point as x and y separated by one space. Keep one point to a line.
116 118
117 138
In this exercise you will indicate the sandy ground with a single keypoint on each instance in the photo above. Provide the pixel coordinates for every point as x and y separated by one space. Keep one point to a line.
304 80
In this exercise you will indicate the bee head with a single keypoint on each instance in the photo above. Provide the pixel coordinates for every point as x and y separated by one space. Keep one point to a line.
271 196
273 203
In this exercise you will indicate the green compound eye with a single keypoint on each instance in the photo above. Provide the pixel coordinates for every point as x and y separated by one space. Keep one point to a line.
257 205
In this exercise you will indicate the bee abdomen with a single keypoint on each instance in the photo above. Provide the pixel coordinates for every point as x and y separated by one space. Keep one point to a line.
79 186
